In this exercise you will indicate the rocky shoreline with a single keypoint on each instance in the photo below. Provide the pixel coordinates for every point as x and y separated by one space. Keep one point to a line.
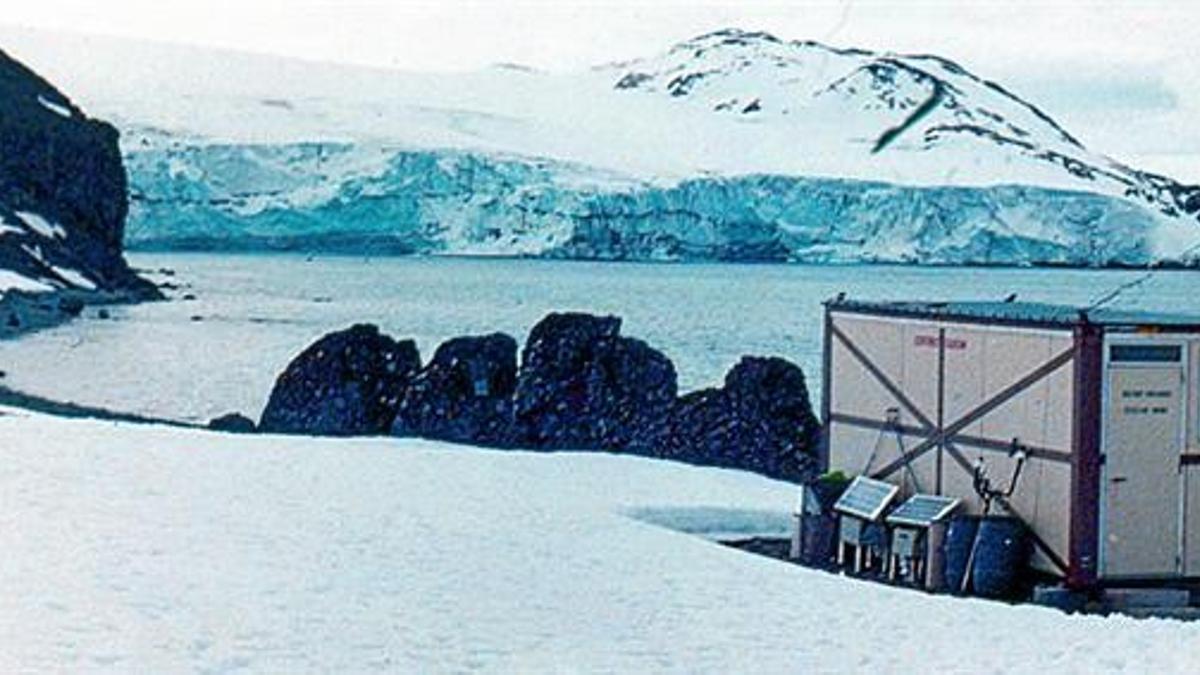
22 312
578 384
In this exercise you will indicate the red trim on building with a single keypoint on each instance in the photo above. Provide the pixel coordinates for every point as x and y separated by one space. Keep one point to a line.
1084 547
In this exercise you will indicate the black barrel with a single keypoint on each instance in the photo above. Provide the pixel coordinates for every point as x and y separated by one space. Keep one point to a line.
1001 552
818 546
956 550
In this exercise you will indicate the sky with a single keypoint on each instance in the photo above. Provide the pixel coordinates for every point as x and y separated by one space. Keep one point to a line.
1120 75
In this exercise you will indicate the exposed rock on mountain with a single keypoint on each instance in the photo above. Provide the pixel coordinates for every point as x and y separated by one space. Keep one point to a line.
347 383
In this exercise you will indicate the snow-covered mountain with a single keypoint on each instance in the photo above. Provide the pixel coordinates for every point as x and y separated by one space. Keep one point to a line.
732 145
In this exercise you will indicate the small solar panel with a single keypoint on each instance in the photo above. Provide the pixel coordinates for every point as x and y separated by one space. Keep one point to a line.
923 510
866 498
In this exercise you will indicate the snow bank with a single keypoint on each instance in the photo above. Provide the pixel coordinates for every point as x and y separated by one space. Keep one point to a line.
41 226
56 108
11 281
153 549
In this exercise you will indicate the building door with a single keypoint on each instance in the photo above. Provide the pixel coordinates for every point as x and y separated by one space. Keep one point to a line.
1143 442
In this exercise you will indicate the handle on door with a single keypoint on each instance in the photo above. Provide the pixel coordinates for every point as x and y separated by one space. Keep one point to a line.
1118 479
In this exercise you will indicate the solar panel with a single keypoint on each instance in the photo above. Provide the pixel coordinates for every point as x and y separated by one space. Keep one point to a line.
866 498
922 510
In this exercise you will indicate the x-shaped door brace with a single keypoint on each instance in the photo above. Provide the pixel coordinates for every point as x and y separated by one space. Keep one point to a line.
949 436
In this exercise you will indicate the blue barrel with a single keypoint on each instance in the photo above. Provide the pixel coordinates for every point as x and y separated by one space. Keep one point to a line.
1001 552
956 550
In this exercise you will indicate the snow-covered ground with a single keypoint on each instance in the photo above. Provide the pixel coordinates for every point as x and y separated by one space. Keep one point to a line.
154 550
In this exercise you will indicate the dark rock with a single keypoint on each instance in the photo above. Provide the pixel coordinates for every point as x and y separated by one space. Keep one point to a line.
583 386
189 296
65 168
103 314
464 394
632 80
233 422
347 383
70 306
761 420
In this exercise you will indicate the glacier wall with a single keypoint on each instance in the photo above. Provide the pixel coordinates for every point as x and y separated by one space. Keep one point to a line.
341 197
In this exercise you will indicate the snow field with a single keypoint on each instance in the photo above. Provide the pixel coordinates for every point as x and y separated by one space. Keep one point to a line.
161 550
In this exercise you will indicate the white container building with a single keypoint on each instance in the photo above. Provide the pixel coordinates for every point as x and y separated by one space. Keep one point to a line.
1104 404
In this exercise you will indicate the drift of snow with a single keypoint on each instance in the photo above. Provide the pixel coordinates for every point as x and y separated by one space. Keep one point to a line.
41 226
56 108
7 227
74 278
11 281
155 549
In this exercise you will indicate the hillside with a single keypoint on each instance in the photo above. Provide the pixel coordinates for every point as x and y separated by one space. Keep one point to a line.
733 146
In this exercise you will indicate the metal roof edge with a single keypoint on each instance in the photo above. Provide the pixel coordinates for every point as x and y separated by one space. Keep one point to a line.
1038 315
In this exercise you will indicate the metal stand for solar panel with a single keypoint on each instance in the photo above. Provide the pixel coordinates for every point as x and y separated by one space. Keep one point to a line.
916 528
853 528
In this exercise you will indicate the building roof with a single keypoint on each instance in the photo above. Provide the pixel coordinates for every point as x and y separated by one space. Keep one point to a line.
1018 313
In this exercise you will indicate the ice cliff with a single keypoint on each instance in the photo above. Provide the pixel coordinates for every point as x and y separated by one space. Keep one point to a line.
322 197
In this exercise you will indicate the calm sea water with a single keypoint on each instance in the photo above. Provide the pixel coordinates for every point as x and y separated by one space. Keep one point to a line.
192 360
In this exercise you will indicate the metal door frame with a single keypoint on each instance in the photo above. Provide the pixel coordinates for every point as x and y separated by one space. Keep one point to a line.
1184 367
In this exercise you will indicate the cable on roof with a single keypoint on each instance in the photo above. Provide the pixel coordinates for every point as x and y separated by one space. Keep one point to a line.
1152 268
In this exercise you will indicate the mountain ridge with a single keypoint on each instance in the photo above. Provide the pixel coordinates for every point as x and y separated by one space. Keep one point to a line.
729 107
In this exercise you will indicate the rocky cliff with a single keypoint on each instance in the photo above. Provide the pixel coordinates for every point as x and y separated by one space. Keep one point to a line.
63 204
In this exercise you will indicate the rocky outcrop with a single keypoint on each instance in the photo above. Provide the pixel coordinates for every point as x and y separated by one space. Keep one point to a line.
464 394
63 195
582 385
761 420
347 383
235 423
